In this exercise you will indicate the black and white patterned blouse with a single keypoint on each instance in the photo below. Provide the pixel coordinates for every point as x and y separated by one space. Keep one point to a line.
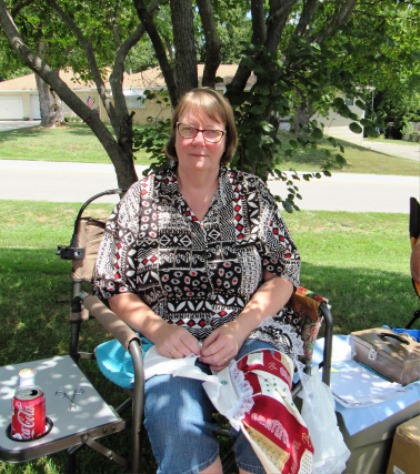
198 274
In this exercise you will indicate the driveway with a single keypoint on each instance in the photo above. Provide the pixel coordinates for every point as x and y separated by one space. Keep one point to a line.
393 148
412 152
6 125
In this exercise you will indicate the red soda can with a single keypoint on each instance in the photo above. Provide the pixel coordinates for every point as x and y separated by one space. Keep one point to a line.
28 413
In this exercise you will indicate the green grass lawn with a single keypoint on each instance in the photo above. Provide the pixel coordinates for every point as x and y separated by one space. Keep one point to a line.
359 261
75 142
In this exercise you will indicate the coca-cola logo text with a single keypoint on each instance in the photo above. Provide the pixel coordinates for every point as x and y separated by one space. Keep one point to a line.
26 418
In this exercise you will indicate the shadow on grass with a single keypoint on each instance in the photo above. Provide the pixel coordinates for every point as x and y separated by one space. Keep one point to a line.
36 291
361 298
34 302
79 129
314 158
16 134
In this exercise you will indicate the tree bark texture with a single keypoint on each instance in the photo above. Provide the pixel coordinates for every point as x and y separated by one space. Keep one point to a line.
213 44
49 104
185 52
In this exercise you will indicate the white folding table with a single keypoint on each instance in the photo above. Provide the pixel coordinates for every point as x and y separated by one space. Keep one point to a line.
85 420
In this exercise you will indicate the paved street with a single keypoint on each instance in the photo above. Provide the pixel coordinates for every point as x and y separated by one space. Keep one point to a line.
76 182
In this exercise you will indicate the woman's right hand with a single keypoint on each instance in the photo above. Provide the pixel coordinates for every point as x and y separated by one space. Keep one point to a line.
175 342
170 340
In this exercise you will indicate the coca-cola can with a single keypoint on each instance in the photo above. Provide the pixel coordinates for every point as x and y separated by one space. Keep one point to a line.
28 413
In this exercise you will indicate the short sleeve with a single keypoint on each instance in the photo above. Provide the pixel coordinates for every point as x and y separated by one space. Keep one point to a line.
279 253
115 268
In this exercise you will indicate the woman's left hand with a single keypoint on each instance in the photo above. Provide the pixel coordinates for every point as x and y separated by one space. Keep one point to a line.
221 346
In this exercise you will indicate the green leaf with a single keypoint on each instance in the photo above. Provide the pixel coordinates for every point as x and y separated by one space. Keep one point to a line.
317 134
257 109
355 127
359 103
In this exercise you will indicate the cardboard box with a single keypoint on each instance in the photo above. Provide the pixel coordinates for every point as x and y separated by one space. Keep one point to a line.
370 448
405 453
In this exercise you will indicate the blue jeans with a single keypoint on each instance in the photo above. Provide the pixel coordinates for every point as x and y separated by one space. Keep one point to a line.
178 419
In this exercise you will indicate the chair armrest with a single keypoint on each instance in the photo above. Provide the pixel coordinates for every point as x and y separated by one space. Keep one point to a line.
314 311
132 342
307 302
110 321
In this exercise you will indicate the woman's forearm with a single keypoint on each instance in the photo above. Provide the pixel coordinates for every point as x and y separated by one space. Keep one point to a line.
170 340
270 298
137 314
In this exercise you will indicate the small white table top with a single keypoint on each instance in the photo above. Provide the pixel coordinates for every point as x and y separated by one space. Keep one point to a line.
89 414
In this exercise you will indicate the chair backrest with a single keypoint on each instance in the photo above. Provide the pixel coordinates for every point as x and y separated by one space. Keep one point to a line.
85 241
88 238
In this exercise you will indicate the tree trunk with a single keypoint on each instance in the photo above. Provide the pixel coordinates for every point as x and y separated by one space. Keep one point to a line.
49 104
185 54
213 44
301 118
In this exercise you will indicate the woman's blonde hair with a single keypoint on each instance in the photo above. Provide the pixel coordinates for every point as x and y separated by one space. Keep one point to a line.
210 103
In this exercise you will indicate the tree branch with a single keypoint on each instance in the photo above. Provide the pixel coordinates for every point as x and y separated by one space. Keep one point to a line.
309 9
117 74
147 20
19 5
259 29
87 46
340 18
213 44
41 67
259 35
279 15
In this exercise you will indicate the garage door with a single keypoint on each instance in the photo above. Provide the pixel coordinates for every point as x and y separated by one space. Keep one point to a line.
11 108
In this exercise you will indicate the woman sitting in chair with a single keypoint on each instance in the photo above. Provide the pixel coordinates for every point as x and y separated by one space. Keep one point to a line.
198 260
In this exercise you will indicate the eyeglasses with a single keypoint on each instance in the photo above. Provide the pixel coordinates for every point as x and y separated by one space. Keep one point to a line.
187 131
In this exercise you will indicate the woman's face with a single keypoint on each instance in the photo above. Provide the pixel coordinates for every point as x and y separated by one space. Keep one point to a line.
196 153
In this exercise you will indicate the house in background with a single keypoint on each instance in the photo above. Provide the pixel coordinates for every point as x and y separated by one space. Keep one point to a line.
19 98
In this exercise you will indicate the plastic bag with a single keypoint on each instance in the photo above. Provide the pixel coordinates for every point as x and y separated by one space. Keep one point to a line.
318 412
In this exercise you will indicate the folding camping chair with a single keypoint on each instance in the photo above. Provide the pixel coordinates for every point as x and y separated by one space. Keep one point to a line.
313 310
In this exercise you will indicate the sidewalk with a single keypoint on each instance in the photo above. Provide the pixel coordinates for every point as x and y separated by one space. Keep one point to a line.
397 148
6 125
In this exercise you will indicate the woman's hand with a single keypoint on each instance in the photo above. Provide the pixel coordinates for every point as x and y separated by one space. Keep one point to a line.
170 340
222 345
175 342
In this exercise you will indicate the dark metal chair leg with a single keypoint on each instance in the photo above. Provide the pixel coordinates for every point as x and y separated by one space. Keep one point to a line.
72 462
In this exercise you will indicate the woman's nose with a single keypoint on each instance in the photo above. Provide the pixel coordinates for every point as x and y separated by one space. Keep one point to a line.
199 136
